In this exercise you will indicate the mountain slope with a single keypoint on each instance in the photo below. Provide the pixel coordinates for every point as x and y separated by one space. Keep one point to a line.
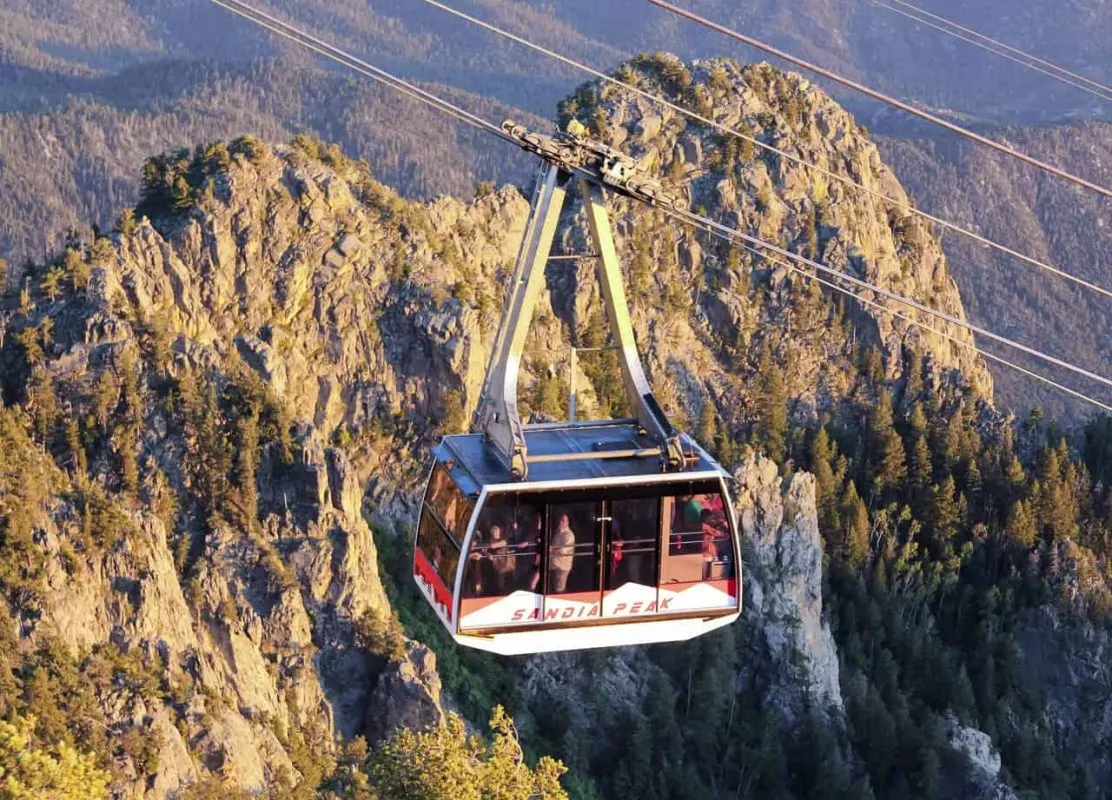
850 36
1037 215
77 165
203 409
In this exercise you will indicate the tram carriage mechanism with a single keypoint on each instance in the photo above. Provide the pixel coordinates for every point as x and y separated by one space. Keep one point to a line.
572 535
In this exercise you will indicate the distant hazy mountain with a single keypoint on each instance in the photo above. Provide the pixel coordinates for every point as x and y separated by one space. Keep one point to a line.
856 36
1042 216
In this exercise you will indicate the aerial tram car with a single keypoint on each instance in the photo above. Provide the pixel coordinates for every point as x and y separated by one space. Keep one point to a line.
579 534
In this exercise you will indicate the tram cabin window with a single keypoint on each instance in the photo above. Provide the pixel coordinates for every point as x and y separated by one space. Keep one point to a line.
697 539
573 547
634 532
506 549
443 525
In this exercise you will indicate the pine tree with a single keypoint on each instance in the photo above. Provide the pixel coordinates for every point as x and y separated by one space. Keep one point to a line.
52 282
43 402
125 443
29 340
77 271
106 397
1022 528
944 515
962 699
920 469
914 385
246 456
444 762
25 301
856 527
127 223
887 451
707 431
76 448
1014 478
826 483
29 771
772 407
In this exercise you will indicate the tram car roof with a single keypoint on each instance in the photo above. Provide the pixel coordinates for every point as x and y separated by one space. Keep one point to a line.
570 455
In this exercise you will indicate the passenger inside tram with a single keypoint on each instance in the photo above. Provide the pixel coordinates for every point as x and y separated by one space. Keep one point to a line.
555 549
561 555
501 566
698 540
573 546
528 543
505 553
633 535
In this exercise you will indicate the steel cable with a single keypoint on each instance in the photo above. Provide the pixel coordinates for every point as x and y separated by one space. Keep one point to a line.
725 129
993 45
715 228
1000 147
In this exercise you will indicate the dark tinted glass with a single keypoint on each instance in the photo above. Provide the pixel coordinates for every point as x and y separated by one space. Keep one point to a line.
698 546
634 534
573 548
452 508
443 524
506 548
438 548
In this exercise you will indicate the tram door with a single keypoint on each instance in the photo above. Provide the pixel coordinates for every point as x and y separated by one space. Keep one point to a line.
602 559
631 537
575 546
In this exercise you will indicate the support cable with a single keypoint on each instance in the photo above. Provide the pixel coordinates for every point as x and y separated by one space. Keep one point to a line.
884 98
924 326
715 228
727 130
993 45
736 235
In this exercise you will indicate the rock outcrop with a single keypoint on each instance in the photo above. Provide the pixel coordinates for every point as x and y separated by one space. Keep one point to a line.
790 648
743 300
255 646
984 761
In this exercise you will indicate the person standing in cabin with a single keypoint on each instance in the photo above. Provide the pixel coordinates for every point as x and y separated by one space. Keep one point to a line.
536 543
501 561
561 555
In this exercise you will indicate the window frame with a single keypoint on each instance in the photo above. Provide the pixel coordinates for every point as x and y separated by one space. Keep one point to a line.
429 510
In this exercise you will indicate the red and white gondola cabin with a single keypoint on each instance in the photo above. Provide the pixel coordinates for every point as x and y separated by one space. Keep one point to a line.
585 553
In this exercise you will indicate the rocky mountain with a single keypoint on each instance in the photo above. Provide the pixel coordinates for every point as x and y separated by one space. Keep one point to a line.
91 89
206 412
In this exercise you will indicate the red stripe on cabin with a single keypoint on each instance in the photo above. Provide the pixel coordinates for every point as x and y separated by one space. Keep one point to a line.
424 570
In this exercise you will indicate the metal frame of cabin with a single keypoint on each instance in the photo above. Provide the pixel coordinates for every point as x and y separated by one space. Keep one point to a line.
507 456
480 477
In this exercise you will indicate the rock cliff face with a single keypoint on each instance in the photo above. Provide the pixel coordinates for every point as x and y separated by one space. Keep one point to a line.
1070 662
255 651
733 302
790 651
302 297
